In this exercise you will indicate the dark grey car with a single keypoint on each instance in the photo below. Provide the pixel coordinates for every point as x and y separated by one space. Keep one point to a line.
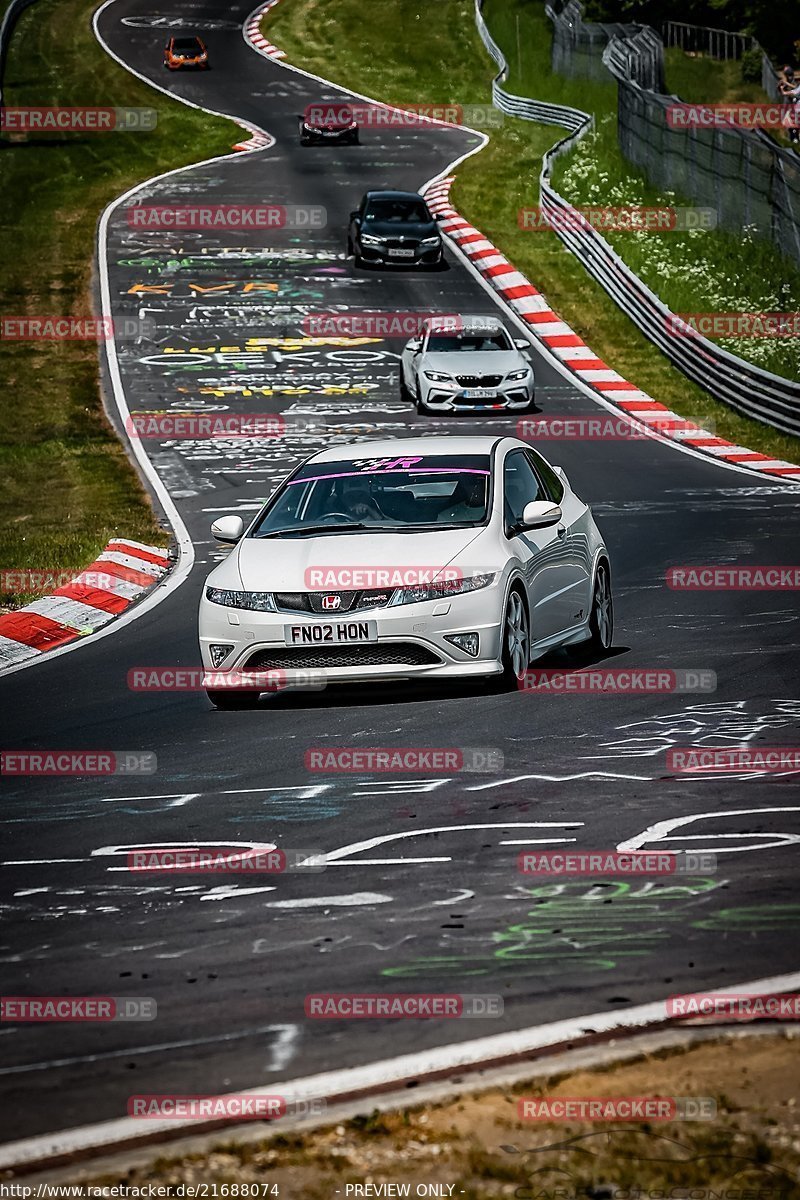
394 227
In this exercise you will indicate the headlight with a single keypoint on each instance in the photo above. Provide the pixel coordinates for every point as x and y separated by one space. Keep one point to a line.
440 591
431 241
369 239
254 601
518 374
437 377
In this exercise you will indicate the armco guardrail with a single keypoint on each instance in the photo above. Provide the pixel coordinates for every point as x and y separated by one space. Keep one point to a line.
522 106
12 13
741 385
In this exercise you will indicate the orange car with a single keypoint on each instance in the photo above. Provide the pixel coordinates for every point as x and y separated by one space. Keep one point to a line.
181 52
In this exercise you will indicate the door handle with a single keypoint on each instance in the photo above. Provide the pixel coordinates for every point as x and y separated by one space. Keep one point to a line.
561 531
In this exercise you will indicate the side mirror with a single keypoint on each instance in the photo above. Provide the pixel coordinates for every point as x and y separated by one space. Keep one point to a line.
228 529
540 514
522 344
354 215
415 344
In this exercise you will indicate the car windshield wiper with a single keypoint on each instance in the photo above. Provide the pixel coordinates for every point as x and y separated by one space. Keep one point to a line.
301 529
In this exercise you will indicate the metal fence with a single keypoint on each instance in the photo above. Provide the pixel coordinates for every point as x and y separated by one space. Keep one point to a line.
722 45
741 385
746 176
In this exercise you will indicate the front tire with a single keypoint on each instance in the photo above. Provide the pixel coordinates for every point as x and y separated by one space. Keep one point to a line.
232 700
601 618
516 640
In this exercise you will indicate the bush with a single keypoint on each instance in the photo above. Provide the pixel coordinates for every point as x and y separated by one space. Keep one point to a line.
751 66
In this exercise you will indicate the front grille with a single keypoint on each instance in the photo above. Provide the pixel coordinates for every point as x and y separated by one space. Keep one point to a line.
396 244
350 601
377 654
476 381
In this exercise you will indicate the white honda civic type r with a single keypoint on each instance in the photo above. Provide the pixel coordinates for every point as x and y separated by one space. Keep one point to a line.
418 558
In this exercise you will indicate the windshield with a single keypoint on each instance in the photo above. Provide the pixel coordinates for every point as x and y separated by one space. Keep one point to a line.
411 493
396 210
443 343
187 45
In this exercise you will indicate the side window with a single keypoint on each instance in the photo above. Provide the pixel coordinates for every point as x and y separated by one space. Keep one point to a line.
552 483
520 486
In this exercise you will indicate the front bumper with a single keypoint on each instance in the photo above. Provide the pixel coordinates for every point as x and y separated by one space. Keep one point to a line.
319 137
423 255
514 396
187 64
260 636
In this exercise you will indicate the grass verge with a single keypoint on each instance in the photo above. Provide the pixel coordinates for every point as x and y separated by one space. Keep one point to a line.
477 1145
66 484
449 65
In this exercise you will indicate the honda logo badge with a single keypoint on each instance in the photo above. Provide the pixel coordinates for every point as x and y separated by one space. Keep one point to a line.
329 603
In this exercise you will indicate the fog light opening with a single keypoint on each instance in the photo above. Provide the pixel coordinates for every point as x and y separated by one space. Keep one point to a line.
468 642
219 654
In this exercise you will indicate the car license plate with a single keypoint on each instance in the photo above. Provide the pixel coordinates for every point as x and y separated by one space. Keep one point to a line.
334 634
480 394
401 253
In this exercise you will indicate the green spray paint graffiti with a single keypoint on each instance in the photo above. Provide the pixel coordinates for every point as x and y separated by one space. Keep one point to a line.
575 926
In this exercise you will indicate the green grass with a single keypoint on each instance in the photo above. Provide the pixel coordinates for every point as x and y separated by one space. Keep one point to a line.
703 80
66 485
449 65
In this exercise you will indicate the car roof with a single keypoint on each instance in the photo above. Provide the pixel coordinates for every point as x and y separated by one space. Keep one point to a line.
471 322
393 195
431 445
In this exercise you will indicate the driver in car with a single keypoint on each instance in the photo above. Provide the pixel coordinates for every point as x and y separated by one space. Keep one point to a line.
467 501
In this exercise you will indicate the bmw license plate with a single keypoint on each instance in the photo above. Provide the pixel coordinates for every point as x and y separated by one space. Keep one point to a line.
480 394
334 634
401 253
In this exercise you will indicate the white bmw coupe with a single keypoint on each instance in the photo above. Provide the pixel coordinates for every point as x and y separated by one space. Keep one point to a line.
474 367
419 558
